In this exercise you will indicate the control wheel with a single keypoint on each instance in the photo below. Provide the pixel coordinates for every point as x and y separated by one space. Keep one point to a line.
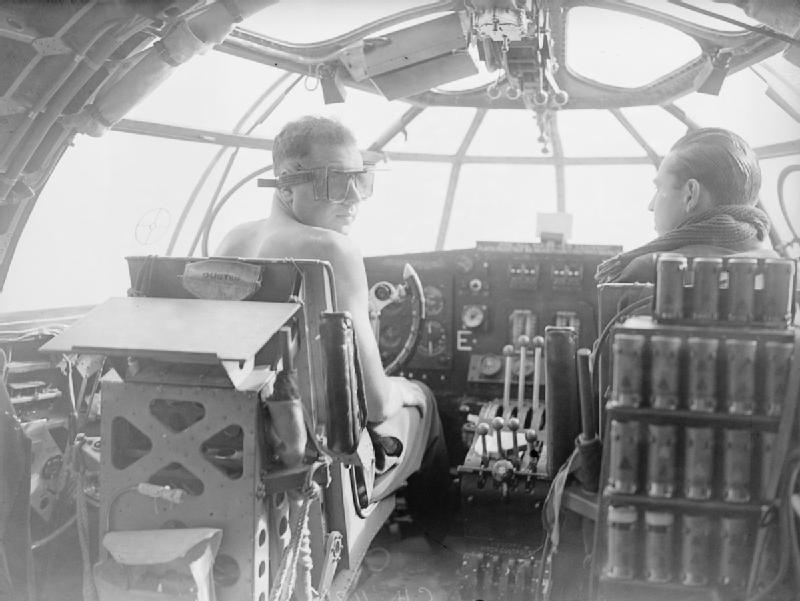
385 295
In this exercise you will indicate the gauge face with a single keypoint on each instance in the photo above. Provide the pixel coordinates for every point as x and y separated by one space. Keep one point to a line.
490 365
432 339
434 300
528 366
391 337
473 315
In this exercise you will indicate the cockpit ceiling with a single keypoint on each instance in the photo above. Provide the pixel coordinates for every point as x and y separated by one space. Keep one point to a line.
645 26
80 67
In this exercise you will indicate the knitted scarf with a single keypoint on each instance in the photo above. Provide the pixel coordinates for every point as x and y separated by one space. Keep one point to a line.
726 226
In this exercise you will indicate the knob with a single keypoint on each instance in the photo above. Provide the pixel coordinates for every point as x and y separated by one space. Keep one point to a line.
383 292
502 470
537 342
475 285
524 340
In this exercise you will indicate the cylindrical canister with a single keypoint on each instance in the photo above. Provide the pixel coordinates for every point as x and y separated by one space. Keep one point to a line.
777 364
741 288
621 542
740 364
661 459
627 371
698 467
669 286
665 371
695 550
767 447
777 296
658 537
624 469
734 549
737 466
702 389
705 297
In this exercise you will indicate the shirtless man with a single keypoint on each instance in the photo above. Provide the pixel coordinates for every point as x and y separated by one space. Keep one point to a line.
321 183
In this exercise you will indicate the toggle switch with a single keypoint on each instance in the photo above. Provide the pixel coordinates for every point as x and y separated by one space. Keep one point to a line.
508 353
532 440
513 425
523 341
483 432
497 424
538 345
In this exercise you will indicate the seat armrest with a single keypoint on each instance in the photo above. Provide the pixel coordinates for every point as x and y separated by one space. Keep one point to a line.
345 406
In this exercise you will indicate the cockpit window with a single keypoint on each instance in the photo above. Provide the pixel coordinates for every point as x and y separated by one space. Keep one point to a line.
326 20
600 42
687 14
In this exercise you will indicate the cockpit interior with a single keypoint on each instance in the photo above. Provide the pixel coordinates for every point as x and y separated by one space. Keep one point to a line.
179 424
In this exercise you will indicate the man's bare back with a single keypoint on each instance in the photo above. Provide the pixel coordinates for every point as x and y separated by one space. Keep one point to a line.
319 188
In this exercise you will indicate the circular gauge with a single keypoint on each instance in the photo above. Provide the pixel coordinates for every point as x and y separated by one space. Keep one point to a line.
490 365
473 315
528 367
434 300
391 337
432 339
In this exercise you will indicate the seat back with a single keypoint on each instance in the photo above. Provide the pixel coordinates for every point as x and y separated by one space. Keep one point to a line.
270 280
324 386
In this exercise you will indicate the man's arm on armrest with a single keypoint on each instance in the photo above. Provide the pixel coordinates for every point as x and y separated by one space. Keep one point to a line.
385 396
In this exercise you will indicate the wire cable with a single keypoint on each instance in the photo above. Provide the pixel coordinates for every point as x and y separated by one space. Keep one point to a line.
214 206
209 221
786 172
598 345
55 533
788 545
215 159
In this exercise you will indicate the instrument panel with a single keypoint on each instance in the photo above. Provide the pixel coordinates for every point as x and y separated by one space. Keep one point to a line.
480 300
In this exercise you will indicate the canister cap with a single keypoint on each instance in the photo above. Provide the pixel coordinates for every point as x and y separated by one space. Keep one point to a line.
658 518
743 261
709 260
625 514
787 264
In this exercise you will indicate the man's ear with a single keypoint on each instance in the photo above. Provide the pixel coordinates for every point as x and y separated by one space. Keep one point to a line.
692 195
285 195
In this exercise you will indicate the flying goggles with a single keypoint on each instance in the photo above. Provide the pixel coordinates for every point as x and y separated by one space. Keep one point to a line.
330 184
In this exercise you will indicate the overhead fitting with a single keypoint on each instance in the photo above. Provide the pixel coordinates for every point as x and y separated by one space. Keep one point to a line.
514 38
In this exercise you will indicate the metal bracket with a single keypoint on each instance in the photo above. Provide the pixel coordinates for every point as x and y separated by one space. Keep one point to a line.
295 478
354 59
9 106
50 46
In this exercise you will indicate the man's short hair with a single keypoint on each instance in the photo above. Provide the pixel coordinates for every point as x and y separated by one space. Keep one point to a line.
298 137
722 161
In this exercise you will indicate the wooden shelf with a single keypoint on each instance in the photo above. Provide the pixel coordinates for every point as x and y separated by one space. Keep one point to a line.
694 418
682 504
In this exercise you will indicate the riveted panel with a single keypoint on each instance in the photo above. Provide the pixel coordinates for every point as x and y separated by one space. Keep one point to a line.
220 483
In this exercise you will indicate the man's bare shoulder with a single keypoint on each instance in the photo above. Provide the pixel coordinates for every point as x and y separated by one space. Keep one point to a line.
268 238
242 240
